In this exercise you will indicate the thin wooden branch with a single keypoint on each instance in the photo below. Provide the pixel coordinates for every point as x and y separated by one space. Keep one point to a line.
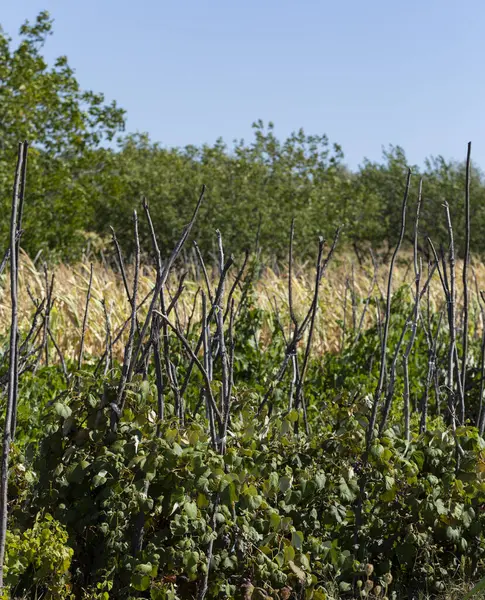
9 425
204 271
392 376
382 370
481 411
431 373
353 298
121 330
208 369
169 367
33 327
122 266
299 388
452 323
367 300
85 319
344 319
210 315
60 355
290 275
197 363
219 314
466 263
128 359
158 372
108 342
192 312
407 352
236 283
162 280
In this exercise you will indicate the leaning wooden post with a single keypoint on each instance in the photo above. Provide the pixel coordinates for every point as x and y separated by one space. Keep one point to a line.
17 202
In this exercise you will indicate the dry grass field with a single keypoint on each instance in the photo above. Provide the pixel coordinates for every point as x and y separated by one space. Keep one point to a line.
344 290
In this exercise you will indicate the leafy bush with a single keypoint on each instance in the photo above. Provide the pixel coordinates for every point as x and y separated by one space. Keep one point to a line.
38 560
280 508
138 511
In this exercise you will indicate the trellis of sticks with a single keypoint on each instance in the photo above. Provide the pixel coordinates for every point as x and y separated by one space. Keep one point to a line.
153 337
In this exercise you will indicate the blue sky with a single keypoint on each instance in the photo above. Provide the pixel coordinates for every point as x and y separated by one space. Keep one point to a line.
366 73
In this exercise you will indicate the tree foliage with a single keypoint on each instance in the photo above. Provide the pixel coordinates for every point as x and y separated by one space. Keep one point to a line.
77 185
65 125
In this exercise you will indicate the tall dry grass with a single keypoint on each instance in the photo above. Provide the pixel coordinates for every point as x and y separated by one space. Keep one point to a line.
342 276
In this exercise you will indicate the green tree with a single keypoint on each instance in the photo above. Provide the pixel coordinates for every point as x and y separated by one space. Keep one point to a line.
380 186
66 127
251 187
78 183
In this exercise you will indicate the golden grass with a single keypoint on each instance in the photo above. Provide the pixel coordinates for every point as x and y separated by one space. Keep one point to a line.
71 284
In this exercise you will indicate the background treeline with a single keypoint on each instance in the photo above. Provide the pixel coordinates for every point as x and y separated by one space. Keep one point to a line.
89 175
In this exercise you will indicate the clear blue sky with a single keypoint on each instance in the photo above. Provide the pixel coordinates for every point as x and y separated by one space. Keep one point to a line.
367 73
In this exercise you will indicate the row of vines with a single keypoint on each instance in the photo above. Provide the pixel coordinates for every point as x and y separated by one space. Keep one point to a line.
217 461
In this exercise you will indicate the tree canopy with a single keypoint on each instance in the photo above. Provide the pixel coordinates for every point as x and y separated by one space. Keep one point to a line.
79 184
66 127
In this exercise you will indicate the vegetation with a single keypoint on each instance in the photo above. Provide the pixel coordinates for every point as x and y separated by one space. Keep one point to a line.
254 190
221 454
343 288
205 422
